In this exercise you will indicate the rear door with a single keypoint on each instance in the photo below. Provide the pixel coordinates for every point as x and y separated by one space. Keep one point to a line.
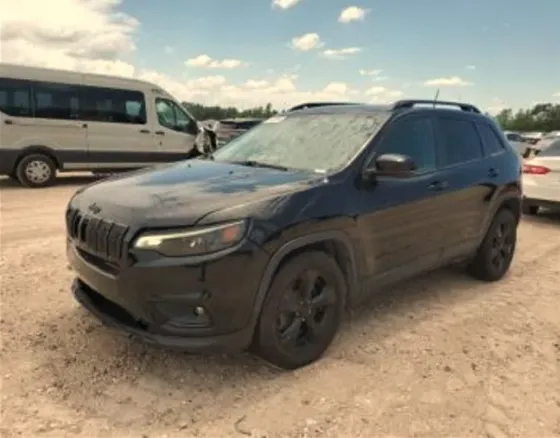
470 182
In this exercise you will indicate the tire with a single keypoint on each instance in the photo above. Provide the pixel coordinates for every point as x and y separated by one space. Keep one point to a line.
530 210
494 256
313 327
36 170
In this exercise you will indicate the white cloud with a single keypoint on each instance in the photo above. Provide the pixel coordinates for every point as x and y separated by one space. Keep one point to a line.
306 42
68 34
284 4
496 106
383 95
375 72
205 61
352 13
451 81
471 67
556 94
341 53
94 36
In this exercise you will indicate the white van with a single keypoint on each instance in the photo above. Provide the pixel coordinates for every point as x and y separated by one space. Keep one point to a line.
53 120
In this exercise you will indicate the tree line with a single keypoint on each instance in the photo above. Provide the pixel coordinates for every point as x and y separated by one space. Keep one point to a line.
202 112
541 117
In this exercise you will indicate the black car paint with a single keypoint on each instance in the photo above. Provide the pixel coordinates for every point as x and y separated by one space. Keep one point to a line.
288 210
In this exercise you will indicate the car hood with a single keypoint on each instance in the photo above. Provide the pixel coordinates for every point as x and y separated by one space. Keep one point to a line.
183 193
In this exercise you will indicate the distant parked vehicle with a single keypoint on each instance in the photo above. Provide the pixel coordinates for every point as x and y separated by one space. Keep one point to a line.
308 105
54 121
532 137
541 180
521 146
228 129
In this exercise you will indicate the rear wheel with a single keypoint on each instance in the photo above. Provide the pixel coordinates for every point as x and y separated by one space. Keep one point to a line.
302 311
530 210
494 256
36 170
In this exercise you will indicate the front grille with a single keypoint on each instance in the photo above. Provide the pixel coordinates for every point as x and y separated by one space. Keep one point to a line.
97 236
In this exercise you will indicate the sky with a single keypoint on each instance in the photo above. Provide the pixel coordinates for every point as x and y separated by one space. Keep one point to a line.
495 54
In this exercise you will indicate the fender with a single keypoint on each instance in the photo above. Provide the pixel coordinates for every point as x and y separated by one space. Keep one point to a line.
38 149
300 242
510 194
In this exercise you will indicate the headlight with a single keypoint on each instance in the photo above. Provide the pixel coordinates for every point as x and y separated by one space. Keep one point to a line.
193 242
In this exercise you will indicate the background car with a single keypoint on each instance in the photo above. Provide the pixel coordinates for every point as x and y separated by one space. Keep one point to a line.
541 180
228 129
516 140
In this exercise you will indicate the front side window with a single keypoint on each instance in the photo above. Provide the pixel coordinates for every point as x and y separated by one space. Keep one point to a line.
315 142
15 97
461 142
413 138
172 116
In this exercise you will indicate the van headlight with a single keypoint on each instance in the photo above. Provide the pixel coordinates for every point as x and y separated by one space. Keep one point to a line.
193 242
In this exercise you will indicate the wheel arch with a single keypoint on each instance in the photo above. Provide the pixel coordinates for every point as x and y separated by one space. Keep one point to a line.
38 149
335 243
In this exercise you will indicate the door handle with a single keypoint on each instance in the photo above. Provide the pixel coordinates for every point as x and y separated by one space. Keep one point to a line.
160 133
493 173
8 122
438 185
145 131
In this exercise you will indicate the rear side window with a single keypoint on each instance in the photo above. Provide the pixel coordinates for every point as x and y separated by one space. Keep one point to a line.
460 141
114 105
15 98
552 151
490 140
56 101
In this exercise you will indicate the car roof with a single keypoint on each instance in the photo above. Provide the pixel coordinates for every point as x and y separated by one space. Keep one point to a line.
400 106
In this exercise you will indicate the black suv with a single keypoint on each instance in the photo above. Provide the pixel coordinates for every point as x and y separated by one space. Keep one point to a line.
264 243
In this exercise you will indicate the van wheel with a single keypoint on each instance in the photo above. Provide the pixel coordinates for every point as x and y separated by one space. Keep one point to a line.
36 170
302 311
494 256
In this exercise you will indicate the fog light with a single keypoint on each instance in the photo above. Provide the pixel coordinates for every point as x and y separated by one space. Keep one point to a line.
199 310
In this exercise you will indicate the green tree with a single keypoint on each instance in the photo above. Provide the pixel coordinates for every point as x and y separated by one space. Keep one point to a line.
544 117
202 112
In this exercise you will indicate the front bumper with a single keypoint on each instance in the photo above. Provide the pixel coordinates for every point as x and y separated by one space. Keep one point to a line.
156 300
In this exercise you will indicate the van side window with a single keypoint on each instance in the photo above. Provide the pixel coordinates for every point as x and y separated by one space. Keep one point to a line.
490 140
15 98
56 101
172 116
461 142
114 106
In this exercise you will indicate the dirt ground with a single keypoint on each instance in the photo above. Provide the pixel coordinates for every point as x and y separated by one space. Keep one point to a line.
440 356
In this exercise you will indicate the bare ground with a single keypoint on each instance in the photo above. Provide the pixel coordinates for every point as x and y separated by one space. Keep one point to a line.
441 356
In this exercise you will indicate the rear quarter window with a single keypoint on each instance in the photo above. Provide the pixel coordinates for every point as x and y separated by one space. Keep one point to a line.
490 140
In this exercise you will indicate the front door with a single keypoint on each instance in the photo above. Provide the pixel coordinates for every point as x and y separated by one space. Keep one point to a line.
403 223
175 131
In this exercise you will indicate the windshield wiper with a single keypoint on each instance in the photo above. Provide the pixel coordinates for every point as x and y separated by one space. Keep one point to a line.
253 163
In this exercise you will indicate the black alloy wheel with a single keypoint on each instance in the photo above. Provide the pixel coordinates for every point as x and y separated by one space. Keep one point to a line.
302 312
495 254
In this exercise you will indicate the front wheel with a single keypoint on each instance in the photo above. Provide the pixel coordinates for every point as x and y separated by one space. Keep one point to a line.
302 311
494 256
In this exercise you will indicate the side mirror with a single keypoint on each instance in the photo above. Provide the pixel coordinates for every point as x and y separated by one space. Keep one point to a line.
396 165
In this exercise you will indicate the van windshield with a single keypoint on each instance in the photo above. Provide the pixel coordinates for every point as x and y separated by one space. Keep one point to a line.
316 142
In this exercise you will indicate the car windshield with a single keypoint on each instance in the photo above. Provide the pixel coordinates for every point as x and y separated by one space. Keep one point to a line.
316 142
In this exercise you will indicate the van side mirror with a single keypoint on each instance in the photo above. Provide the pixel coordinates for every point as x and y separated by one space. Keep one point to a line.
396 165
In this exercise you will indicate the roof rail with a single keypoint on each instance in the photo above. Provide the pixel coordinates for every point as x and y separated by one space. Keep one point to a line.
317 104
409 103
